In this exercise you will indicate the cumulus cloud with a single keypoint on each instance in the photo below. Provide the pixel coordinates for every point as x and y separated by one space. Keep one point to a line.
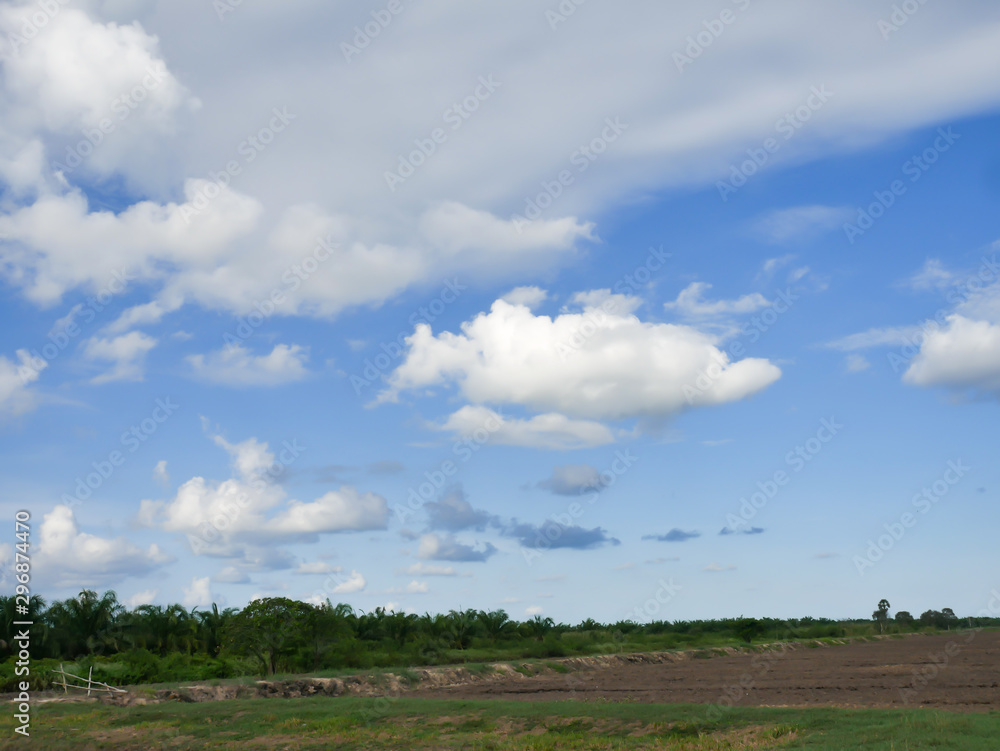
16 396
547 431
529 297
199 593
160 473
674 535
234 365
690 303
73 558
625 368
145 597
256 512
454 513
573 479
552 534
232 575
436 547
126 354
857 363
742 530
962 355
355 582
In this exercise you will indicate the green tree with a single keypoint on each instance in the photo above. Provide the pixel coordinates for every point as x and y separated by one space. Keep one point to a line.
86 624
881 615
269 629
748 629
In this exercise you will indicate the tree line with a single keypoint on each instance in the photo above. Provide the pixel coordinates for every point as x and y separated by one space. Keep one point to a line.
152 643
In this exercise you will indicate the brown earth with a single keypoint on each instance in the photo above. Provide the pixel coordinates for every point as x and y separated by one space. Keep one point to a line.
959 672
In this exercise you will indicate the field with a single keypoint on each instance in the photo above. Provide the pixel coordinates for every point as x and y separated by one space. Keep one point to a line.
960 671
823 698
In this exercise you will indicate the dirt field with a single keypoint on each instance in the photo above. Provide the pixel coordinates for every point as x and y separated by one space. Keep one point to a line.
947 672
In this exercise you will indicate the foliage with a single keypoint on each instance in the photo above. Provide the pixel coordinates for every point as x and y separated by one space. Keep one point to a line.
168 643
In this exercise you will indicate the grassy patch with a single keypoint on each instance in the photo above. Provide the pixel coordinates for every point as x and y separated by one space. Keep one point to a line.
356 723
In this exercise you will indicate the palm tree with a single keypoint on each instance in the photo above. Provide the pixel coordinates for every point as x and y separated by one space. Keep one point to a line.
496 623
87 623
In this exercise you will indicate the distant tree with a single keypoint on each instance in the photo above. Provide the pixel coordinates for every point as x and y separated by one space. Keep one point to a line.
748 629
949 617
933 618
268 629
904 618
882 614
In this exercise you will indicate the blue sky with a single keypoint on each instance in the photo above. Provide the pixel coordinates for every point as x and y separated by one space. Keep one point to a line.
283 371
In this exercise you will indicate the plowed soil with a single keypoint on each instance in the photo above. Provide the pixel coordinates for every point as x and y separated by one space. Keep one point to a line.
959 672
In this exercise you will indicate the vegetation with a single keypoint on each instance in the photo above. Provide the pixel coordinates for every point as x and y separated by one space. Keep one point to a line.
355 723
156 644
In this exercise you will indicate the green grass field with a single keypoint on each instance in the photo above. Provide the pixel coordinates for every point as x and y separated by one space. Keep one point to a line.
385 724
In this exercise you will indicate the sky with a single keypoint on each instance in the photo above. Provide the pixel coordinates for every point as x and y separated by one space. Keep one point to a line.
577 309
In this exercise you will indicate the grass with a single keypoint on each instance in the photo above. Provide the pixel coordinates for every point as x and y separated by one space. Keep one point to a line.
355 723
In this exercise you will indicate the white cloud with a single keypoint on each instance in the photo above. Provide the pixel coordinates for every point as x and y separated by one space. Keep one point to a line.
446 548
429 569
529 297
548 431
716 568
236 251
533 610
126 353
234 365
354 583
232 575
964 354
932 275
74 558
624 369
689 303
413 588
257 511
16 397
573 479
857 363
876 337
199 593
160 473
799 222
317 567
145 597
